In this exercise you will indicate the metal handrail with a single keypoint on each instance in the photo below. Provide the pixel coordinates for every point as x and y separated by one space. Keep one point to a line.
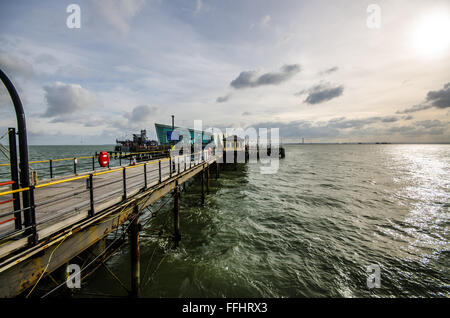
90 157
87 176
199 157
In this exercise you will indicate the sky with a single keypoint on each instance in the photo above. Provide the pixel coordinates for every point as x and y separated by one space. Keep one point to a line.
326 71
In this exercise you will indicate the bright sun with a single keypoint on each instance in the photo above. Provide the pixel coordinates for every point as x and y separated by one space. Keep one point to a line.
431 37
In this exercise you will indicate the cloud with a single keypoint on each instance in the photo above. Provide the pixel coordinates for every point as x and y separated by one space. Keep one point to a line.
322 93
431 123
66 99
414 109
285 38
266 20
93 123
199 6
438 99
343 123
118 13
299 128
45 58
389 119
223 99
142 113
410 131
343 128
248 79
441 98
330 70
125 122
14 66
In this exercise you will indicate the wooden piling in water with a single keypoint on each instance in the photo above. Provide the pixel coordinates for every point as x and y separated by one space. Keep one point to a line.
135 254
207 179
203 186
235 153
217 170
176 216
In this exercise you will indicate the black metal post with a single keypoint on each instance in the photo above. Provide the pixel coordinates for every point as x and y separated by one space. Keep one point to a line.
51 168
33 238
91 194
145 176
93 163
15 176
170 167
124 176
159 164
74 165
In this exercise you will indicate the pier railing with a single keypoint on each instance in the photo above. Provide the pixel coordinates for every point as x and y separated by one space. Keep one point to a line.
85 194
51 168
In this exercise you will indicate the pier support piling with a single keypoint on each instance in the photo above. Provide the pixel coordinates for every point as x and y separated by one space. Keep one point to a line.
207 179
235 153
176 216
217 170
135 255
203 186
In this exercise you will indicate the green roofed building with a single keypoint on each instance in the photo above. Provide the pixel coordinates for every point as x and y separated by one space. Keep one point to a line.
164 133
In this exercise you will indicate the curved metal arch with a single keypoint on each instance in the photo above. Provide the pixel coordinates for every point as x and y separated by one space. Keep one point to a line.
23 144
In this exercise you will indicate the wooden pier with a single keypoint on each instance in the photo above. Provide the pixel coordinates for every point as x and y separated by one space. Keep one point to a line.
75 212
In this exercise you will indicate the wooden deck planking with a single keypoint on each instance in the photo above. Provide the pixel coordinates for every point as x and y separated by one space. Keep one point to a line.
52 214
22 270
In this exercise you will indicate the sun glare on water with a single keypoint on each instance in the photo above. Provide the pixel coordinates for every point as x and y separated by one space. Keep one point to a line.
431 36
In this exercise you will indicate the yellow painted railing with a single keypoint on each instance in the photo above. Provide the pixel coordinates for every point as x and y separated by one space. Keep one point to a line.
90 157
87 175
